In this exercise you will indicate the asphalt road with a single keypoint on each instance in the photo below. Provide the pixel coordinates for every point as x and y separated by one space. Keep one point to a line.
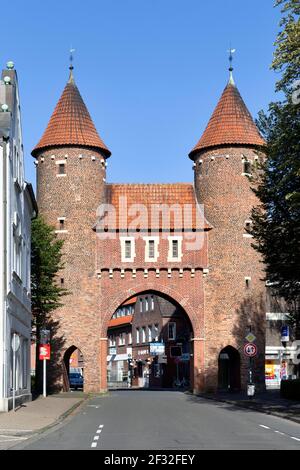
166 420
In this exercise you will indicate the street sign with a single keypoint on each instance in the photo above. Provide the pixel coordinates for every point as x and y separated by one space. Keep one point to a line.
185 357
157 349
285 334
250 349
250 337
44 352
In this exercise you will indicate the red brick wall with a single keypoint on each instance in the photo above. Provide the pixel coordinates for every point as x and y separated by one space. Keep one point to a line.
229 304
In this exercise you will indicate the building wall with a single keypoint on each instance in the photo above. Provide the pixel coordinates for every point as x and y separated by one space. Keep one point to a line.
17 209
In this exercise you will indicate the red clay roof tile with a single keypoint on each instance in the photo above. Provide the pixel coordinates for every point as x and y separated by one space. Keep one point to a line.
230 124
71 124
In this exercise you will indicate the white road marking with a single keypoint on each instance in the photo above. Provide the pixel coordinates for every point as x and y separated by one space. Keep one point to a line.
263 426
282 433
97 436
295 438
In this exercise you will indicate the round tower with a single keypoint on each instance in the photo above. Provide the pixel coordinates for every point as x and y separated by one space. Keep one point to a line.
71 170
224 159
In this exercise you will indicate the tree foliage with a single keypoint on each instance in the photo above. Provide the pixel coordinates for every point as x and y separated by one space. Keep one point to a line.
276 220
287 52
46 262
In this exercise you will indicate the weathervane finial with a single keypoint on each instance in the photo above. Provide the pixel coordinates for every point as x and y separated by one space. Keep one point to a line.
71 67
231 51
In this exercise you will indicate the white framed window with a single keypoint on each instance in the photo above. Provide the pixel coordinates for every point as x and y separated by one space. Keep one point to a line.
127 249
152 302
137 335
129 337
121 339
146 304
155 332
171 331
247 167
144 334
149 333
175 249
141 305
151 249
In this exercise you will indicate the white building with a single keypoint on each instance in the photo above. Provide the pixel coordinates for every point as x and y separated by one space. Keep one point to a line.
17 208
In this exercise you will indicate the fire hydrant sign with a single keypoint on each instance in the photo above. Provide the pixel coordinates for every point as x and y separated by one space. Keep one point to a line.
250 349
44 352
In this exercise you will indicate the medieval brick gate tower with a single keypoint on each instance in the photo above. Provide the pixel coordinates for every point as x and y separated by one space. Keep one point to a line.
186 242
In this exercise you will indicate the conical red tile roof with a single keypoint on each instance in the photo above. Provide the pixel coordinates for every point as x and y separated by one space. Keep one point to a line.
230 124
71 124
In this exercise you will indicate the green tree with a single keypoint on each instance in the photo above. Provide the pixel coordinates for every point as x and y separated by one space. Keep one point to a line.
287 52
46 292
276 220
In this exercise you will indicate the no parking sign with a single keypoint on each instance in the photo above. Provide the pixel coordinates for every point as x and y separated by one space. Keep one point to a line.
250 349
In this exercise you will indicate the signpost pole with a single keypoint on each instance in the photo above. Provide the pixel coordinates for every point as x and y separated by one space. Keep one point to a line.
14 372
44 378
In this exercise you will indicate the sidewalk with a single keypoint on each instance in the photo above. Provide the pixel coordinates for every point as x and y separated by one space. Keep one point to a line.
268 402
36 416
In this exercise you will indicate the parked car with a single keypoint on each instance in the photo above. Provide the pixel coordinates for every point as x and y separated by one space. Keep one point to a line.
76 380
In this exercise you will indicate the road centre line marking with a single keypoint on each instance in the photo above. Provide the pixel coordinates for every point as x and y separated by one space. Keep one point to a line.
94 444
263 426
279 432
98 431
96 438
295 438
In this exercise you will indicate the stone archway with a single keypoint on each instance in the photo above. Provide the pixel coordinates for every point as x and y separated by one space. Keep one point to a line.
229 369
162 320
74 364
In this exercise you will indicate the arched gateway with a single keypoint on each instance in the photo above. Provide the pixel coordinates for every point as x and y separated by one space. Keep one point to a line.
121 240
150 344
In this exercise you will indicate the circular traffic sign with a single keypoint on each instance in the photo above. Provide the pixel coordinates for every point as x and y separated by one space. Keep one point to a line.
250 349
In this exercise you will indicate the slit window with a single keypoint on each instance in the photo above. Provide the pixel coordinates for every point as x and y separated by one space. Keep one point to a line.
175 248
127 249
61 169
151 249
61 224
246 167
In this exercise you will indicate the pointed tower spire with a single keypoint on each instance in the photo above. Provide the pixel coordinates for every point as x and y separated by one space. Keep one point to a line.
230 124
71 123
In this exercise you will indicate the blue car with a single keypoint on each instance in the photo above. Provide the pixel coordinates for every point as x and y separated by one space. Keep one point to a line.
76 380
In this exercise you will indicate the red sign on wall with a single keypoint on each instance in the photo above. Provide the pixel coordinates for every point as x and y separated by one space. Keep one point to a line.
44 352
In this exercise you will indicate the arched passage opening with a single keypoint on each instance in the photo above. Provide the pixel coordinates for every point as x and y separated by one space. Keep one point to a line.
149 344
73 377
229 371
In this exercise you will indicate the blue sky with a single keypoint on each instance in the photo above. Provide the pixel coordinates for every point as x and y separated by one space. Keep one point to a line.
149 71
